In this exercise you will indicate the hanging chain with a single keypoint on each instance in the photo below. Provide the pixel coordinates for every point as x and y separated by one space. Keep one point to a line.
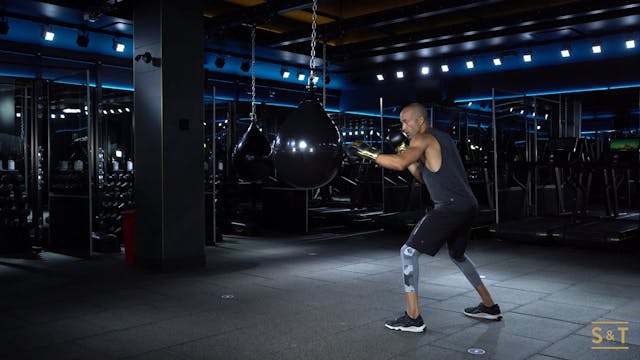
324 72
253 72
312 65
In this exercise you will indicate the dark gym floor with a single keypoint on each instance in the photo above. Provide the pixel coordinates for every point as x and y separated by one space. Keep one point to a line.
320 297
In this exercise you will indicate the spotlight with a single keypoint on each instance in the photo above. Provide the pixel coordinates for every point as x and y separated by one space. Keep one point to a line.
118 45
245 66
424 70
380 77
219 62
470 64
83 39
444 68
285 73
400 74
527 57
596 48
4 26
301 76
497 61
565 52
47 34
630 44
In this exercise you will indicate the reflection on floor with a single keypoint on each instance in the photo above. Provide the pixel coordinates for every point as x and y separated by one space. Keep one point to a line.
321 297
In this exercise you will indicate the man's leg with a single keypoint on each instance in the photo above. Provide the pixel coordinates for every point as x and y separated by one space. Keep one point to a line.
411 320
410 277
487 309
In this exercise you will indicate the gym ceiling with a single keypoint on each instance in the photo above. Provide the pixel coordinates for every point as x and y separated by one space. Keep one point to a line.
367 38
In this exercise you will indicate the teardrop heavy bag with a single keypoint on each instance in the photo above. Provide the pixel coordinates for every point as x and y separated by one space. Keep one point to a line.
307 150
252 155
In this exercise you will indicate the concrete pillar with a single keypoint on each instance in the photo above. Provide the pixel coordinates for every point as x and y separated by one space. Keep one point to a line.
168 126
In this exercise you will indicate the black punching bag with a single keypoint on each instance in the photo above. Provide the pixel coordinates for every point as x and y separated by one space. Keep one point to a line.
252 155
307 150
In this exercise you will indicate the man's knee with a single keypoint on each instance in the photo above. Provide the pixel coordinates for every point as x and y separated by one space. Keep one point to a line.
457 256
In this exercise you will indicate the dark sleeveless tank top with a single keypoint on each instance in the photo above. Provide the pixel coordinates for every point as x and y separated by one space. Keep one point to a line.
449 185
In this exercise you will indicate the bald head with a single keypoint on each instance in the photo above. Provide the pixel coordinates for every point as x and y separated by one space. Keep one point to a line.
416 109
414 120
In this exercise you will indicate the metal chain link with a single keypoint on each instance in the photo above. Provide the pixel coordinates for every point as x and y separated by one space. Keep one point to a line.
312 65
324 73
253 72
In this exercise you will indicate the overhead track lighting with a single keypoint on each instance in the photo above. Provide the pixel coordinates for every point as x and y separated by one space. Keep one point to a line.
4 26
245 66
596 48
47 33
118 45
219 62
83 39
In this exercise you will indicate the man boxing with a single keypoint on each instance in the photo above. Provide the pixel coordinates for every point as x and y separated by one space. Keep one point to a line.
433 159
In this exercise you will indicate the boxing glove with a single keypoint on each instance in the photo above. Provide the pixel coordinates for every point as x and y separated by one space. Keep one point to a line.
397 140
363 150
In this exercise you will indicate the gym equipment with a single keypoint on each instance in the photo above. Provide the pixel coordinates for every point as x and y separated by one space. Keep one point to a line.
252 156
397 140
308 150
363 150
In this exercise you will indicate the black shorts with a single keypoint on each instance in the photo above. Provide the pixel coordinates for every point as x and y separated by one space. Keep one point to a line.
446 223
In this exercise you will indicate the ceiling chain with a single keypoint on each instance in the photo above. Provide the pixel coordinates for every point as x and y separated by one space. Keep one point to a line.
312 65
253 72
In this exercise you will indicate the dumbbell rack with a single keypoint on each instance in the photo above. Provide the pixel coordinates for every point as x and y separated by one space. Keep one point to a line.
116 197
14 212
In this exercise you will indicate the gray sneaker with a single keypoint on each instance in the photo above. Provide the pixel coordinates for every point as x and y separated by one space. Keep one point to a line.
405 323
483 312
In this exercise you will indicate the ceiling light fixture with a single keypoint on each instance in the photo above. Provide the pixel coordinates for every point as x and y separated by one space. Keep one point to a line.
380 77
470 64
284 72
424 70
301 76
527 57
47 33
596 48
118 46
400 74
83 39
566 51
220 62
444 68
497 61
245 66
4 26
630 44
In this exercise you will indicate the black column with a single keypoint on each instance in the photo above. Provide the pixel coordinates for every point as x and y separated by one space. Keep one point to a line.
168 122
